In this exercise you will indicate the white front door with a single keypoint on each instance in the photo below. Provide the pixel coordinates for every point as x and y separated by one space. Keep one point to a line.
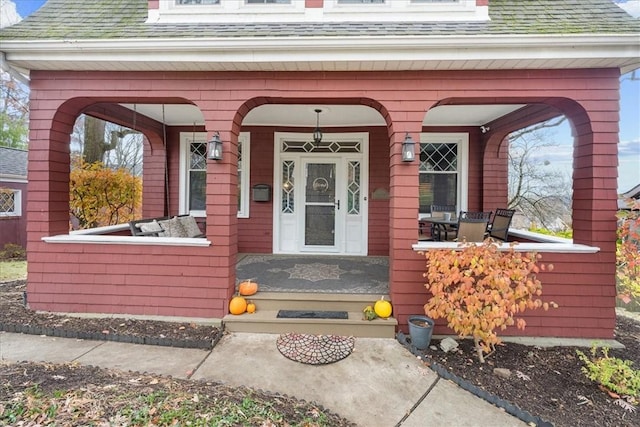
322 223
321 197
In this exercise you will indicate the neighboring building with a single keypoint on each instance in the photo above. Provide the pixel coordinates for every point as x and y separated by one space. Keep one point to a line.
13 196
633 193
456 76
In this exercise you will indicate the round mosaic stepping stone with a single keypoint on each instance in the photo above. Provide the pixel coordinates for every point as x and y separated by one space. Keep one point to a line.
315 349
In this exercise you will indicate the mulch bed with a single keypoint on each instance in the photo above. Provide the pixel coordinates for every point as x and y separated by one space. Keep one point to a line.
546 385
17 318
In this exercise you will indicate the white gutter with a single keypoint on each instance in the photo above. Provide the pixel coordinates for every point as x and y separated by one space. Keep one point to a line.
5 66
199 44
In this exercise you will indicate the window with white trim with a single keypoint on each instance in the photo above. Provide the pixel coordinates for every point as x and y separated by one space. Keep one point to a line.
243 174
193 174
195 2
443 170
260 11
10 202
268 1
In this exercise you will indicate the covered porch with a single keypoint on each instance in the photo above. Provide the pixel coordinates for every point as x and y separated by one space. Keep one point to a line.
266 136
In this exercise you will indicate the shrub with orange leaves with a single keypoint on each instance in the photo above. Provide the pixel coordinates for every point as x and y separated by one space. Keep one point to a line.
102 196
628 252
479 289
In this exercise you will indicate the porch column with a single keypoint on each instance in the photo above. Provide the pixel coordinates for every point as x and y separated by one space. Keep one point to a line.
48 170
405 266
222 207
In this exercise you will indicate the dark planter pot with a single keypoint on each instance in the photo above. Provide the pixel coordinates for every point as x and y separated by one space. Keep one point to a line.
420 331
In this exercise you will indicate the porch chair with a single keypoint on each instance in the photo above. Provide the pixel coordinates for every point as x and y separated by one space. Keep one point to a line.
499 227
472 226
440 231
471 230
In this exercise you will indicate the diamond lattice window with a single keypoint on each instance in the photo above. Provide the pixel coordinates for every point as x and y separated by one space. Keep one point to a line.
10 202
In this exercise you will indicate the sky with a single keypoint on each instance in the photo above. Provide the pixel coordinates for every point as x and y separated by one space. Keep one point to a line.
629 147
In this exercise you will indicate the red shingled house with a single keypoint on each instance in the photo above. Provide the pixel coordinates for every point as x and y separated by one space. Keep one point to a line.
455 76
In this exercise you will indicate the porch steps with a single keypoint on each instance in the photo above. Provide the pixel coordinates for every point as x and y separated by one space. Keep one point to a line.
265 319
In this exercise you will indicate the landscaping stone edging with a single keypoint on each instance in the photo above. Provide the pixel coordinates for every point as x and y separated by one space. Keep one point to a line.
442 372
98 336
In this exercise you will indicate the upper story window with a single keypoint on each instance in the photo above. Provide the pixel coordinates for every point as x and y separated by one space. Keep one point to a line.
184 2
228 2
268 1
265 11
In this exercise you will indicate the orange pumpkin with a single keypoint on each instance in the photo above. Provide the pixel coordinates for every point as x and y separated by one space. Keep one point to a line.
247 288
251 308
237 305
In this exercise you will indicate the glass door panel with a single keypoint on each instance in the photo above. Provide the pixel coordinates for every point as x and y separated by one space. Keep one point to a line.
320 204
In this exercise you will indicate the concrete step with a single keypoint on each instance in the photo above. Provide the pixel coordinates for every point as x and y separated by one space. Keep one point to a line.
313 301
266 321
268 304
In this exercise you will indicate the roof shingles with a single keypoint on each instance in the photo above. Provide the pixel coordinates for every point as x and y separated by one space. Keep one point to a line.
118 19
13 162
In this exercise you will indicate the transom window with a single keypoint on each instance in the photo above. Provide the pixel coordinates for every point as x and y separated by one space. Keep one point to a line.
293 146
443 171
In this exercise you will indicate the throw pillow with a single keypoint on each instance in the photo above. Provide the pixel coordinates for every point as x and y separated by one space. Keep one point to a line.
151 227
173 228
190 226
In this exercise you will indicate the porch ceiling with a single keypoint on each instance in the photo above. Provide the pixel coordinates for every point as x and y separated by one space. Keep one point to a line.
331 116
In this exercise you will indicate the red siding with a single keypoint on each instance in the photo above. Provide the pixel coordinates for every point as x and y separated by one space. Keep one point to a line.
255 234
587 97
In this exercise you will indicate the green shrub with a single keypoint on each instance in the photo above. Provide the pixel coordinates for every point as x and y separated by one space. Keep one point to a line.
612 373
13 251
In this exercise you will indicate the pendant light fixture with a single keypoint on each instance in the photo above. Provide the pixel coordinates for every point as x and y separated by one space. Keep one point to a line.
317 132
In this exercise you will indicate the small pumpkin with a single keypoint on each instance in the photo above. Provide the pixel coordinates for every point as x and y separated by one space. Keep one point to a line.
382 308
369 314
247 288
251 307
237 305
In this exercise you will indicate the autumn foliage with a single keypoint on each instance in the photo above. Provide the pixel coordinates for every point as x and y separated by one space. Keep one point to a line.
479 289
628 253
102 196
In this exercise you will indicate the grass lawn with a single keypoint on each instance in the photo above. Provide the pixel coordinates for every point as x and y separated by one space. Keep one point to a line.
12 270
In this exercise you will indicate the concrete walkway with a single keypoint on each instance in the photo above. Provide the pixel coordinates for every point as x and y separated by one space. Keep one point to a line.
380 384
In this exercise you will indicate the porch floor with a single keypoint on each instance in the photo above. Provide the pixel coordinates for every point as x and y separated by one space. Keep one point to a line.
315 273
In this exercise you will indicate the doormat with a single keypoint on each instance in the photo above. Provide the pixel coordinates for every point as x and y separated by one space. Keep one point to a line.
312 314
315 349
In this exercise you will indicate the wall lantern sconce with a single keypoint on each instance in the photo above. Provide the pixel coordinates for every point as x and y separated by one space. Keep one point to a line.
408 149
317 132
214 149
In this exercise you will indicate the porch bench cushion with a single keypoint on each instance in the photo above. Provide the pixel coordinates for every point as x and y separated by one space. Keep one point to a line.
166 226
